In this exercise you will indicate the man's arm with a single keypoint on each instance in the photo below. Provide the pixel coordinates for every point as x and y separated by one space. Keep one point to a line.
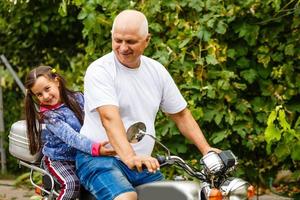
190 129
116 133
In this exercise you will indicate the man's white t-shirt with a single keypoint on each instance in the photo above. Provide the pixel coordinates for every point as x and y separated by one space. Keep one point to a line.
139 93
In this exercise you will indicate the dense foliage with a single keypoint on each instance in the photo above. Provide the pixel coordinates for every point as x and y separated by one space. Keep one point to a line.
236 62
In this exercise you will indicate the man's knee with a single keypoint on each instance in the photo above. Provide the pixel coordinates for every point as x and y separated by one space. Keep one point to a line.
127 196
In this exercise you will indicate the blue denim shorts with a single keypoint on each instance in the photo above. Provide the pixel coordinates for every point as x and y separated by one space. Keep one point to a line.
107 177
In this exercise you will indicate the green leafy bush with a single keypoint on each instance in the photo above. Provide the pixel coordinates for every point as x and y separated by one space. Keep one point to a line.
236 63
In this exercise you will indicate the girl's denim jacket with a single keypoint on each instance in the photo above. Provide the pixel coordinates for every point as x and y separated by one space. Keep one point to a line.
60 134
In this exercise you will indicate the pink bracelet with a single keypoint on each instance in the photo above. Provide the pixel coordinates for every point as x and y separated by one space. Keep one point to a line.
96 149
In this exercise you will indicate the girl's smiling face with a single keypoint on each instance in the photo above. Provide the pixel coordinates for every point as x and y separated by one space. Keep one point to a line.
46 91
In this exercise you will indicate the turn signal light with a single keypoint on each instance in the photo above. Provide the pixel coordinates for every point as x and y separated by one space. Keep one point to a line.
38 191
250 192
215 194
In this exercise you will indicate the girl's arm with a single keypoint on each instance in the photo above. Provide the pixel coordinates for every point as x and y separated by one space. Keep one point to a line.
73 138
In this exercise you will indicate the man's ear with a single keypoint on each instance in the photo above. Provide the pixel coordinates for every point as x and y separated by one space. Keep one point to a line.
148 38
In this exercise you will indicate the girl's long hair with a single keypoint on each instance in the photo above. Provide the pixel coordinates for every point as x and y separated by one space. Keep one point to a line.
32 114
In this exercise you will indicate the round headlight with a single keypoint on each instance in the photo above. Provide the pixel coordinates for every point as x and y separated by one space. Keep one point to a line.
212 162
235 189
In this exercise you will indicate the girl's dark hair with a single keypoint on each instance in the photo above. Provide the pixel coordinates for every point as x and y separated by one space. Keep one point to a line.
33 116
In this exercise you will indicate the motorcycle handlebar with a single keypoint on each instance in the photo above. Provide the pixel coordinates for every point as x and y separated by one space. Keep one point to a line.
170 160
226 158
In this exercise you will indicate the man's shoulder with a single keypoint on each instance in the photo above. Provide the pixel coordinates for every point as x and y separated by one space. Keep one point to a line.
104 61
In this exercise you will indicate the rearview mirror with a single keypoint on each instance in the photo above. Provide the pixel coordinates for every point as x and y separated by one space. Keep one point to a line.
133 131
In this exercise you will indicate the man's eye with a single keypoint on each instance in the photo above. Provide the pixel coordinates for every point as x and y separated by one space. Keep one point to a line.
131 42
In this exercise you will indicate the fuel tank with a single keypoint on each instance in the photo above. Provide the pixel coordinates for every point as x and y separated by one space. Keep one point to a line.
170 190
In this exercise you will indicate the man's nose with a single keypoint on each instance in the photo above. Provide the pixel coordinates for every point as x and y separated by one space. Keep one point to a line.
123 47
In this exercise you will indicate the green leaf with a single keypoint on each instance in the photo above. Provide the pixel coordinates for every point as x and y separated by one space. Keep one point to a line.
243 62
239 86
297 123
296 175
197 113
282 121
295 151
289 50
263 49
197 5
249 75
209 115
240 129
162 56
277 57
203 34
82 15
221 27
243 105
230 118
248 31
264 59
44 28
211 93
218 118
231 53
241 50
211 22
282 151
211 59
272 118
156 27
62 10
272 133
181 148
269 148
218 136
276 4
184 42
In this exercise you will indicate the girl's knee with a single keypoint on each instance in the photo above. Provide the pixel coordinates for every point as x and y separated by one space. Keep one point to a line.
70 190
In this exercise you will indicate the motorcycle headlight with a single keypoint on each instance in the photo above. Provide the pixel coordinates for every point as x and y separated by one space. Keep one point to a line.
213 163
237 189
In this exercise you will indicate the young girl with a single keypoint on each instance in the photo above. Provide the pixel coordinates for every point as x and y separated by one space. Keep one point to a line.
49 102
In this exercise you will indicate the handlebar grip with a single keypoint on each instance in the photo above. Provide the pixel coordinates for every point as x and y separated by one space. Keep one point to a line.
162 160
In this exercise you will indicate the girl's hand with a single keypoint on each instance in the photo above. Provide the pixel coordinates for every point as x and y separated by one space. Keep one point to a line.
103 151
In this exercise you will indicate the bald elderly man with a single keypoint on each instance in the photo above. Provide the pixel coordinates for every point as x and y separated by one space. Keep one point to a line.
120 89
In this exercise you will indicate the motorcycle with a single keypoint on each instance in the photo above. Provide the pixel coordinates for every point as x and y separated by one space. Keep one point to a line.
214 180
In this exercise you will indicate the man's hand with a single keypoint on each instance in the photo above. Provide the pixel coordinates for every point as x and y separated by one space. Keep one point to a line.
139 161
214 150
